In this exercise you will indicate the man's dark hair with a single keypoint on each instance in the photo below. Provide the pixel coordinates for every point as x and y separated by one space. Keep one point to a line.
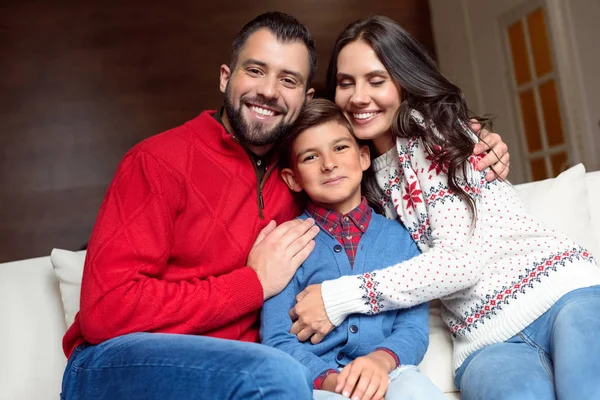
286 29
318 112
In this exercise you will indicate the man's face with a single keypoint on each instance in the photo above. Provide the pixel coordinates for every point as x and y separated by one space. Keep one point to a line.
266 90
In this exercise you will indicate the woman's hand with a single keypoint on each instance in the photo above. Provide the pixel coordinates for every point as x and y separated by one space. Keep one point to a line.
497 156
366 378
309 316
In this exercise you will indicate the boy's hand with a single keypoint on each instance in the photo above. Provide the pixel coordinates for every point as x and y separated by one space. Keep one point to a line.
330 383
366 378
497 156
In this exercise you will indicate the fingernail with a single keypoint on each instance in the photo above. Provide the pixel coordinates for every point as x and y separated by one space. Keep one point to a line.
345 393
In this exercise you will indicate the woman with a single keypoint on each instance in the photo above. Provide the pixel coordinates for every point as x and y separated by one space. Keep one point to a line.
513 292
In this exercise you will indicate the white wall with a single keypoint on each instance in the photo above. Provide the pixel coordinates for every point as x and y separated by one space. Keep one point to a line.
470 52
585 30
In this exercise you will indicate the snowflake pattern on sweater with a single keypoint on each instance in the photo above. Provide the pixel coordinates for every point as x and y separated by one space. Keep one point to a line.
495 273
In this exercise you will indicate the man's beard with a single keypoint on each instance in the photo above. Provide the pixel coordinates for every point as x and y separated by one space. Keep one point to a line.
255 134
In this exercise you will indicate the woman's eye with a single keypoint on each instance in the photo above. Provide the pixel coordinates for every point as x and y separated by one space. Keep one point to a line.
377 83
344 84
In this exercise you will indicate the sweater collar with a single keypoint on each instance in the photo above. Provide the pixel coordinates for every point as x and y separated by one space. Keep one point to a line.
212 132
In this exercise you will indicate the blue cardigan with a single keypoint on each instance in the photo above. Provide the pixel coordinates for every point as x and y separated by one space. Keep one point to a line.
405 332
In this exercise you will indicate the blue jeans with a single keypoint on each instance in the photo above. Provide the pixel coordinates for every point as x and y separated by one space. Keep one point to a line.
406 383
556 357
167 366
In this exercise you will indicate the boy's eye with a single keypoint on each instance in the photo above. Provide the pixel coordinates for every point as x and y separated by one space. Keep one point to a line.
309 158
341 147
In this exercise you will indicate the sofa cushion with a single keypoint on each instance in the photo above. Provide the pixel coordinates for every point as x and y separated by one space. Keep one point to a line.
562 204
68 266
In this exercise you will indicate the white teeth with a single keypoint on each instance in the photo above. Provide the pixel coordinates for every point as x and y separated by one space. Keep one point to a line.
364 115
262 111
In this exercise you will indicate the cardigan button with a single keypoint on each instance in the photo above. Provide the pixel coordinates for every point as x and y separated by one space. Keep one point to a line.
337 248
353 328
340 356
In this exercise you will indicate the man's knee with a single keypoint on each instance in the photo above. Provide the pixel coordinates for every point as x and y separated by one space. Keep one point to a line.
281 376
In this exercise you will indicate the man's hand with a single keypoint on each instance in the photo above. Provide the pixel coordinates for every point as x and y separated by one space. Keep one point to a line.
309 316
278 251
366 378
497 156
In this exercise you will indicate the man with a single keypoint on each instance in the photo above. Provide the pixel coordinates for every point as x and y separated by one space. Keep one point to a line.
191 239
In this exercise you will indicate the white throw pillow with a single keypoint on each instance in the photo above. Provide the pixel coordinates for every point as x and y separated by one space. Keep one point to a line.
68 267
562 204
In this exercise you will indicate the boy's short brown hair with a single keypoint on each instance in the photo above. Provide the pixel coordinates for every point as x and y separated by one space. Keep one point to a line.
315 112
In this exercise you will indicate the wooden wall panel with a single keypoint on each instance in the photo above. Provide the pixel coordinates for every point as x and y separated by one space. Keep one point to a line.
82 82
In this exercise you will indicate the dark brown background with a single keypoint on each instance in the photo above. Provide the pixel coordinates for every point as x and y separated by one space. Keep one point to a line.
83 81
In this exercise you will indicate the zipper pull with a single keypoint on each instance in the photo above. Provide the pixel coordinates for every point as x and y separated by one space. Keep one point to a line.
261 201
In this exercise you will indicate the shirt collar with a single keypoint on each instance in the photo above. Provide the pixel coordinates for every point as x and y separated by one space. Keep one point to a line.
329 220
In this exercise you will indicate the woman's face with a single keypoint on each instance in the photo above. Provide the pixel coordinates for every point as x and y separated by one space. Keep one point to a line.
367 94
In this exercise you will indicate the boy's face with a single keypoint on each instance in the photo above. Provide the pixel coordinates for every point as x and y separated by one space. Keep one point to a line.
328 163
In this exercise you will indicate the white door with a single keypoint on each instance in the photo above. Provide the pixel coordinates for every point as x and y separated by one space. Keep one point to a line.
534 64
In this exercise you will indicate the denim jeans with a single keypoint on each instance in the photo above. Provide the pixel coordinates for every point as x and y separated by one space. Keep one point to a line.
406 383
168 366
556 357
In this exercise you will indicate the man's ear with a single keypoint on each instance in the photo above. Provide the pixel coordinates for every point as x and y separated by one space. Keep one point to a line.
365 157
224 75
290 179
309 94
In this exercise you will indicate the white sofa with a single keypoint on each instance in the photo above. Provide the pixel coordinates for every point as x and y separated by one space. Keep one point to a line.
38 296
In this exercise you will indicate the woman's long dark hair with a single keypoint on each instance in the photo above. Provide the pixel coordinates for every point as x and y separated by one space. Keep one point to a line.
423 88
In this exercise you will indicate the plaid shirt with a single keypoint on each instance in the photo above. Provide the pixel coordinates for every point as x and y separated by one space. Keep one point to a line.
346 228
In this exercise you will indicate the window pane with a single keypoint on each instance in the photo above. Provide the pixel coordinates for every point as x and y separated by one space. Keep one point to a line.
516 36
559 163
552 119
530 121
538 169
540 47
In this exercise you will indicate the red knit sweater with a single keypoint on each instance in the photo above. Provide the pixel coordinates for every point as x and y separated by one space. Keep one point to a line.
168 251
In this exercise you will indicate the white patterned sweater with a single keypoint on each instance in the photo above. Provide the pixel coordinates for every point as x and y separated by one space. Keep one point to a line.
494 278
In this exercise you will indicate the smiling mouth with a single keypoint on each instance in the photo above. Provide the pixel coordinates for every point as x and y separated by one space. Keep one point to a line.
333 181
364 116
263 112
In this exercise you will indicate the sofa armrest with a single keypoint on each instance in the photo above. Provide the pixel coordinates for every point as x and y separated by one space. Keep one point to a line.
33 323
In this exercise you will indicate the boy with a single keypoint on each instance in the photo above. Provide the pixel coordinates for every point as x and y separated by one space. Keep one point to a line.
322 157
